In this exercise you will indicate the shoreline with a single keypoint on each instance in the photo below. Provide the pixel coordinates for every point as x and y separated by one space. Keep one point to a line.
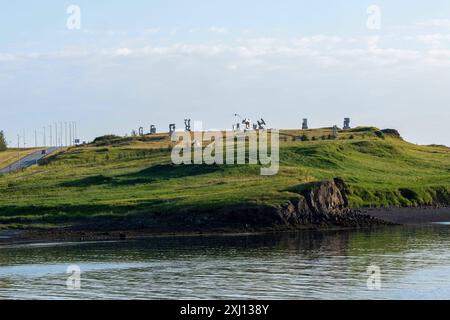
394 216
36 236
410 215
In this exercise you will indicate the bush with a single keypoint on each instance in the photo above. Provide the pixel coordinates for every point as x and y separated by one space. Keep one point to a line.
3 144
392 132
304 138
379 134
106 139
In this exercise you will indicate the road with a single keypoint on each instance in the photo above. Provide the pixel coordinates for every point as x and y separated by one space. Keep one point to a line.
27 161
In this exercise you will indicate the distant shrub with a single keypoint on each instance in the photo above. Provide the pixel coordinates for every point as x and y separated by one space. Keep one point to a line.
351 137
3 145
106 140
304 137
379 134
392 132
409 194
363 129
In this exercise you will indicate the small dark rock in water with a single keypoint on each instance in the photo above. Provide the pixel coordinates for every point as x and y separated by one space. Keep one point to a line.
122 236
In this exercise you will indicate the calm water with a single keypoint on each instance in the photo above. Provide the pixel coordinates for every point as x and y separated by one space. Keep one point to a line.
414 263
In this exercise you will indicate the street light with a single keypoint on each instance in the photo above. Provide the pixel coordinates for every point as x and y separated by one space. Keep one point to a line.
18 150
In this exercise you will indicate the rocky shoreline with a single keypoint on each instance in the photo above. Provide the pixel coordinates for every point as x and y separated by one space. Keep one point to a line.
318 205
325 203
411 216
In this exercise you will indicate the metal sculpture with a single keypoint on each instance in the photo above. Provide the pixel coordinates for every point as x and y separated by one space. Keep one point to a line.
305 124
261 124
187 125
172 128
346 123
335 131
248 123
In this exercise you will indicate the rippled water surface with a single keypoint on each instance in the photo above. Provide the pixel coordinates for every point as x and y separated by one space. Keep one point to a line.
414 263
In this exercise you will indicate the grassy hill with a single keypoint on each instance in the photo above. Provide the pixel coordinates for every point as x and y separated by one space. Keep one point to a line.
126 177
12 155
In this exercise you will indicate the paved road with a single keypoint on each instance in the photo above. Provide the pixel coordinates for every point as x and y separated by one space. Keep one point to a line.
27 161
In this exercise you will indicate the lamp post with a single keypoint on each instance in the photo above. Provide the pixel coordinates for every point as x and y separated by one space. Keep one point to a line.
18 150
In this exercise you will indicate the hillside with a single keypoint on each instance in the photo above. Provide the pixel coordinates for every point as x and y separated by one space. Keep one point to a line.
120 179
12 155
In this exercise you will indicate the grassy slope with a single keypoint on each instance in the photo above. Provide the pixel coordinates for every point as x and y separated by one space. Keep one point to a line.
137 176
12 155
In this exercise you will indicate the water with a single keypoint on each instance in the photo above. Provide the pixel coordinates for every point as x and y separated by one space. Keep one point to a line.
414 264
446 223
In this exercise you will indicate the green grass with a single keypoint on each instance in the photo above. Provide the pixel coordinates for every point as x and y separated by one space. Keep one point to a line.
126 177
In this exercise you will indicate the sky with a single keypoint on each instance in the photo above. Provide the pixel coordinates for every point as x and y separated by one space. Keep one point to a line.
120 65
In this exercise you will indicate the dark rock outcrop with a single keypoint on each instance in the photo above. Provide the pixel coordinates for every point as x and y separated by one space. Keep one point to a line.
323 203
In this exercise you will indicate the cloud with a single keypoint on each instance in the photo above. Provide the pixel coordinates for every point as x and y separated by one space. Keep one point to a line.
123 52
152 31
6 57
321 51
215 29
436 40
435 23
105 32
440 58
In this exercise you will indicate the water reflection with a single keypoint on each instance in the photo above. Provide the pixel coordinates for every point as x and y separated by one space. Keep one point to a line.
415 263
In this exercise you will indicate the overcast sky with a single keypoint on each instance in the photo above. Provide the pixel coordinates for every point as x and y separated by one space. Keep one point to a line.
135 63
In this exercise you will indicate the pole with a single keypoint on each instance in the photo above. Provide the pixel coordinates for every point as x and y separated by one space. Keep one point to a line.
65 133
45 138
70 134
76 130
18 149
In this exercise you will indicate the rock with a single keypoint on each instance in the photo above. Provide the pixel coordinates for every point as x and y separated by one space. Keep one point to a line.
324 197
343 188
323 203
